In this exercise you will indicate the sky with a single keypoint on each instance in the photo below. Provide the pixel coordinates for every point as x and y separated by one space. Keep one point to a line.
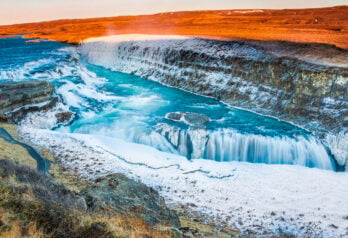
20 11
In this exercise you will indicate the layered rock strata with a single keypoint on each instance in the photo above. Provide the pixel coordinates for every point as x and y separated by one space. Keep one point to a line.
18 98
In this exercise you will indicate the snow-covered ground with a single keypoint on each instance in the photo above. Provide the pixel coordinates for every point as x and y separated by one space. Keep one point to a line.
281 199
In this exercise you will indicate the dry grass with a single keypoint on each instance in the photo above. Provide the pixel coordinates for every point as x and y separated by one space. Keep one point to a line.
321 25
11 227
31 205
16 153
10 128
20 217
21 156
129 227
68 178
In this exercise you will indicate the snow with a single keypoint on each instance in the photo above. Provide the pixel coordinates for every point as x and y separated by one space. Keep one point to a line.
45 119
281 199
339 144
41 104
258 197
112 47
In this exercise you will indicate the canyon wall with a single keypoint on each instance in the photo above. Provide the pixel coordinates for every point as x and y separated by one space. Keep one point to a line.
268 78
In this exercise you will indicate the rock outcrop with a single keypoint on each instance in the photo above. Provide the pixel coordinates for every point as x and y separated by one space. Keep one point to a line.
303 90
19 98
190 143
191 119
113 207
127 197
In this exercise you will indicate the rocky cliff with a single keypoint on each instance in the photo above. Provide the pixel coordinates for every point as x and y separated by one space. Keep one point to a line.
277 79
17 98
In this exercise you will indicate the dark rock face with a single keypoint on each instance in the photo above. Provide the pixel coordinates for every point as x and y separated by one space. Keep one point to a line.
130 198
284 87
64 117
19 98
190 143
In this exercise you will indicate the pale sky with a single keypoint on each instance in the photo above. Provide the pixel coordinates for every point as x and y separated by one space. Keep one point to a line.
19 11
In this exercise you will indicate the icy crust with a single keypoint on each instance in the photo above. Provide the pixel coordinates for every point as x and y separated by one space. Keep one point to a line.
45 119
207 71
339 146
280 199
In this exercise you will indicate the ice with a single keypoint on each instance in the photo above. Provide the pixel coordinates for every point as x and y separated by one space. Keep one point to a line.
45 119
339 146
281 199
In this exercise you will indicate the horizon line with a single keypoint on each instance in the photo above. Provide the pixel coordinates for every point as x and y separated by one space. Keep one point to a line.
157 13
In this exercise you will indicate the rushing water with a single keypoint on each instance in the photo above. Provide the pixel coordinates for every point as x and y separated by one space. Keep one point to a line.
125 106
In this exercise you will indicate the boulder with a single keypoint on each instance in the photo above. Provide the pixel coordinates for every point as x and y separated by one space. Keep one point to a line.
189 118
130 198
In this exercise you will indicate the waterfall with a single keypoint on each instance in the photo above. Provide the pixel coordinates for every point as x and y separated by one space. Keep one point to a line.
240 74
230 145
226 145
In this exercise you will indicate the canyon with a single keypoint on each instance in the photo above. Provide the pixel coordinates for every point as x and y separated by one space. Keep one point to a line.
235 121
265 79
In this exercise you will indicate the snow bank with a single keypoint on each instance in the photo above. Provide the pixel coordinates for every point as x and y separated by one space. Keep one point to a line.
252 197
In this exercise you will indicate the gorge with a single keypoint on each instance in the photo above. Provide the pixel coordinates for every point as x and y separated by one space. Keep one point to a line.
267 79
121 117
215 122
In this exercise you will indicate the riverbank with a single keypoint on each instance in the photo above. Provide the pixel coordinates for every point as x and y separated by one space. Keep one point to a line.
34 184
73 206
254 198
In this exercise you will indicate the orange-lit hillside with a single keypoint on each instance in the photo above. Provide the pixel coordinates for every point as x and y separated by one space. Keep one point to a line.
322 25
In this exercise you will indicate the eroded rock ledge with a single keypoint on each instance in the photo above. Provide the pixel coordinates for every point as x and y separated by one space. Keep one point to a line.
19 98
